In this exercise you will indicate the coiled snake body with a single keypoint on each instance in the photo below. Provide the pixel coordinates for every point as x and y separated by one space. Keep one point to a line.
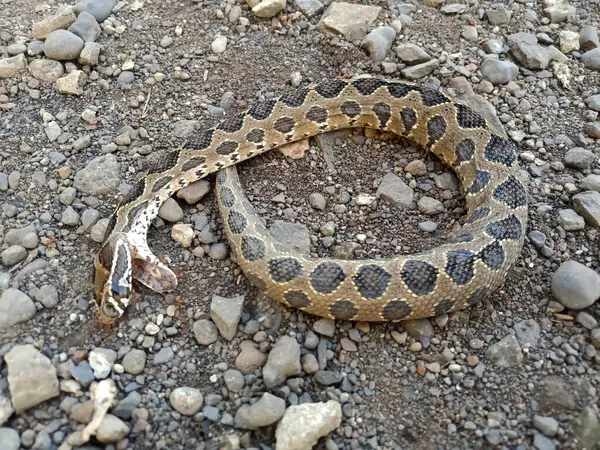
447 278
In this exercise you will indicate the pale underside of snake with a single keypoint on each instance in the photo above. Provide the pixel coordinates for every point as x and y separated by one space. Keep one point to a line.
460 273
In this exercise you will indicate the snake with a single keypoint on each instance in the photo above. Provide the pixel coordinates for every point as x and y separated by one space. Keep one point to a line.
467 268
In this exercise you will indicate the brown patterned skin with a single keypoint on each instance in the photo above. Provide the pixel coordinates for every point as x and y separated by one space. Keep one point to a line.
447 278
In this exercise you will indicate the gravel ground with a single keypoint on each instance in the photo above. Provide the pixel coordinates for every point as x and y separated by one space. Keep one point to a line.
92 93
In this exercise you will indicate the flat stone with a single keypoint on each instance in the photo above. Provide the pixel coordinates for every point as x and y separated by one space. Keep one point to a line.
576 286
569 220
531 56
348 19
134 361
9 67
9 439
309 8
226 313
394 191
100 176
378 42
111 430
587 204
86 27
31 377
268 410
194 192
505 353
499 72
590 59
15 307
72 83
268 8
590 183
293 235
283 361
420 70
579 158
60 21
90 55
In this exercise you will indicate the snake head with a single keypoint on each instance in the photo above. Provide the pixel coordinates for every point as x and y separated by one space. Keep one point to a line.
113 278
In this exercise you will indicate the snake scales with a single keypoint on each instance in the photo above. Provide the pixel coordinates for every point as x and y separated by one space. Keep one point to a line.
462 272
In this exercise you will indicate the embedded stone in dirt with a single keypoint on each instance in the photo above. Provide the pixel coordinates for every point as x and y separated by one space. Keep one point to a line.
283 362
576 286
226 313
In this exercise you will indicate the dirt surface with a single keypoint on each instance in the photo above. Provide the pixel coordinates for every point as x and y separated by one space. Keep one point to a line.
508 373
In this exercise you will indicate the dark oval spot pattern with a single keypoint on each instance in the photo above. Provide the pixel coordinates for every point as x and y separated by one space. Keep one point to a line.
409 119
500 150
136 191
492 255
253 249
283 270
511 192
227 148
330 88
294 97
429 97
436 128
192 163
317 114
400 90
465 150
419 276
284 124
443 307
168 161
371 281
459 266
366 86
396 310
343 310
261 111
297 299
482 179
327 277
383 113
509 228
232 124
237 222
256 136
201 140
478 214
227 197
467 118
350 108
161 183
462 238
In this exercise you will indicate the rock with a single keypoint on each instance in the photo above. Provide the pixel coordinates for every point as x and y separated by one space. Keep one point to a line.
72 83
250 358
430 206
428 226
9 67
560 12
592 129
226 313
575 286
499 72
60 21
556 395
183 234
70 217
205 332
569 220
293 235
309 8
194 192
47 295
218 251
587 428
586 321
82 412
9 439
325 327
420 70
500 16
90 55
587 204
186 400
125 407
86 27
494 47
588 38
531 56
62 45
219 45
590 59
394 191
317 201
348 19
31 377
100 9
283 361
541 442
234 380
569 41
528 333
100 176
579 158
268 8
593 102
505 353
418 328
163 356
590 183
268 410
378 42
303 425
470 33
15 307
170 211
134 361
102 361
46 70
412 54
13 255
83 373
111 430
125 78
6 409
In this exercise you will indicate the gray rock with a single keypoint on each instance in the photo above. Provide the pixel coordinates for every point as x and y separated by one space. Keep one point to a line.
31 377
541 442
500 16
528 333
83 373
100 176
102 361
412 54
579 158
205 332
134 361
234 380
194 192
70 217
303 425
499 72
9 439
90 55
62 45
59 21
418 328
328 377
100 9
493 46
587 204
163 356
226 313
317 201
309 8
593 102
586 321
394 191
89 218
250 358
293 235
505 353
569 220
47 295
15 307
592 129
470 33
428 226
126 77
324 326
111 430
9 67
283 361
348 19
420 70
268 410
588 38
125 407
13 255
587 428
172 212
46 70
430 206
378 42
560 12
186 400
531 56
6 409
86 27
590 59
575 286
590 183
